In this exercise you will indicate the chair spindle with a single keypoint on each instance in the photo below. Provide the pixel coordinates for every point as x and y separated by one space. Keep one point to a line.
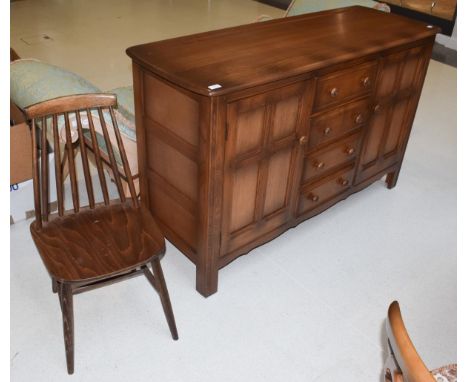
44 172
123 157
110 152
58 165
98 160
71 164
84 160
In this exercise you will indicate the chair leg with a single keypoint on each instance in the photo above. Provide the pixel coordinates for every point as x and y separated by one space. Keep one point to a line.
66 303
164 296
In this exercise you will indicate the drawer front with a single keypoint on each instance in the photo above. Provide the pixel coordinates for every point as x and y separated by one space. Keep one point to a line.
322 161
339 86
320 192
331 125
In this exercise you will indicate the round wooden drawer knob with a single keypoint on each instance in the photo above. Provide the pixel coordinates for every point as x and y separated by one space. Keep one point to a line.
334 92
350 150
344 182
313 197
319 165
366 82
327 131
359 118
377 108
303 140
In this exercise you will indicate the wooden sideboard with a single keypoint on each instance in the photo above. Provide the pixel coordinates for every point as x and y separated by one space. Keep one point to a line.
245 132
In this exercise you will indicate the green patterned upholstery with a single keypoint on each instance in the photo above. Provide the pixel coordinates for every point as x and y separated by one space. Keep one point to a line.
125 100
33 81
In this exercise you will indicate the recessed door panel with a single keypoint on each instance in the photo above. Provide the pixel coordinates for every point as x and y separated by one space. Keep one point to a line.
395 127
375 134
249 130
410 70
284 123
388 75
244 190
260 164
396 98
278 179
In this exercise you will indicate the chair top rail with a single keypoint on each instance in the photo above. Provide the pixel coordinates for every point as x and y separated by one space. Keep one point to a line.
70 103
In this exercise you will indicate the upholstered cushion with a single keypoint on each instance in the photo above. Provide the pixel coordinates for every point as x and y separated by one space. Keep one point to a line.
446 374
126 110
125 100
33 81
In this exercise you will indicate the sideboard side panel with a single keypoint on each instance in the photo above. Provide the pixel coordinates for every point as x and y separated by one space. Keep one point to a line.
169 123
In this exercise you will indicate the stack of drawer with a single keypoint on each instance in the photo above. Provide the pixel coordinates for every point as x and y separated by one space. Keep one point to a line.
340 112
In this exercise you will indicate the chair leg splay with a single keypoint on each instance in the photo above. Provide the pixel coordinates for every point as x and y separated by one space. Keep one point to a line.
164 296
66 303
156 279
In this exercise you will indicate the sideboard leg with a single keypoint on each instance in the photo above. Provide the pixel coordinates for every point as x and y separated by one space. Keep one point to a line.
207 281
392 179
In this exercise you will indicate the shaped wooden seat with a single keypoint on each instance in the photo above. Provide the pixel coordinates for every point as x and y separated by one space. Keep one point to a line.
100 243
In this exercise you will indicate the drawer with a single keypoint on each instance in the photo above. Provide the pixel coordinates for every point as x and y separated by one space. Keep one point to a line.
339 86
320 192
333 124
332 156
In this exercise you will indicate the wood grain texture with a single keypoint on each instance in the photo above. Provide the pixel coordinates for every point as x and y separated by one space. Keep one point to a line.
219 57
102 241
65 294
298 125
97 244
403 363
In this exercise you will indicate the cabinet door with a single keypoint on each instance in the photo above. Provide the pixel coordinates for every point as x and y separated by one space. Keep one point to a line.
396 97
260 164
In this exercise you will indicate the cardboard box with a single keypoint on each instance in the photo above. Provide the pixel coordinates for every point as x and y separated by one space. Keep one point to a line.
22 196
20 147
20 153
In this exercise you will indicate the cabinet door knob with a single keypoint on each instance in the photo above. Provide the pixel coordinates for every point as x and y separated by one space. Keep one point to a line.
344 182
377 108
350 150
319 165
303 140
334 92
359 118
365 82
313 197
327 131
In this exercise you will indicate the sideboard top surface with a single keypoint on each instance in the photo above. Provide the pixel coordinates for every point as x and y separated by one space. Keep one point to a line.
254 54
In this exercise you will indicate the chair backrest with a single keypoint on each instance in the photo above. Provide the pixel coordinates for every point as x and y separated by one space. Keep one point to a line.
71 114
404 363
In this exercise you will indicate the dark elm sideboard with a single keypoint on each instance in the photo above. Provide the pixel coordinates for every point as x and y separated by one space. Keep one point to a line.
245 132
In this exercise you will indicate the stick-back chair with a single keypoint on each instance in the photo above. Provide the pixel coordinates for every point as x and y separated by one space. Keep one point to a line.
95 243
403 362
